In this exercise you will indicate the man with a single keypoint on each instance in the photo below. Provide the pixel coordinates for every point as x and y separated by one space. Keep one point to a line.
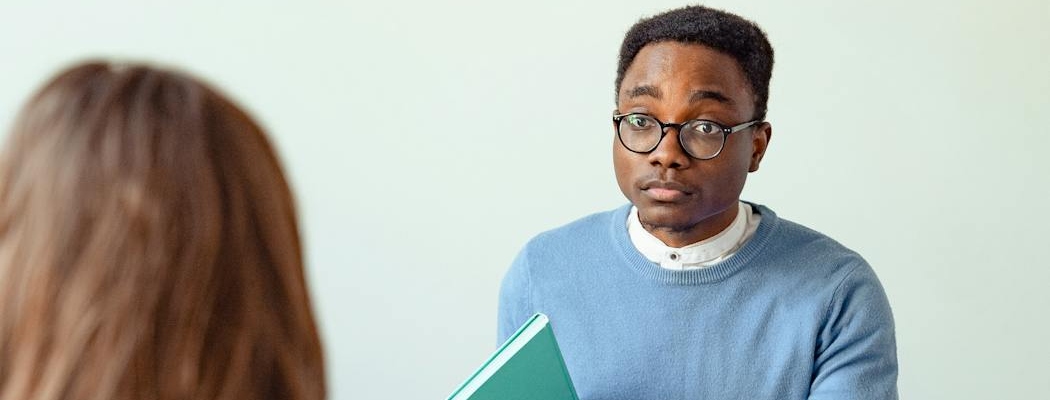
688 292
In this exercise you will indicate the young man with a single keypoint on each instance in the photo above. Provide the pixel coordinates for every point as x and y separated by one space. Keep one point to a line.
688 292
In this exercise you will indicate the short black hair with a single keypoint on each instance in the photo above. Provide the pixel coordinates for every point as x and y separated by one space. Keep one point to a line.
728 33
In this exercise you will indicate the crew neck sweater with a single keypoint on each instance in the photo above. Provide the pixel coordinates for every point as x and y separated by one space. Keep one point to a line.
792 315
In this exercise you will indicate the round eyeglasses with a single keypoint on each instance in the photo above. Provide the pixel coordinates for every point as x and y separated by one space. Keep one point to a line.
700 138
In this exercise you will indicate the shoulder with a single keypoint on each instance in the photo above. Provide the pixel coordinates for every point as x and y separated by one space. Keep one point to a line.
572 245
589 229
796 247
809 267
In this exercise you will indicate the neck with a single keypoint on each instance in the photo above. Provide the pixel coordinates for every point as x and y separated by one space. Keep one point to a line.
681 236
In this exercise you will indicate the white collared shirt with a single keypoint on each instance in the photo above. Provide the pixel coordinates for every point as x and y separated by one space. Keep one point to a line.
701 254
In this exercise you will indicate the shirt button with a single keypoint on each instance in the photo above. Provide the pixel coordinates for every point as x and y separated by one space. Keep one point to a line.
673 256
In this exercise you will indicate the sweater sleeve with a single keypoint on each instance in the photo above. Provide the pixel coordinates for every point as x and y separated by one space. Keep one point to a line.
515 303
856 353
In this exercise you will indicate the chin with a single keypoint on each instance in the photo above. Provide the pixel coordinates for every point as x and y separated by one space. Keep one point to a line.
674 217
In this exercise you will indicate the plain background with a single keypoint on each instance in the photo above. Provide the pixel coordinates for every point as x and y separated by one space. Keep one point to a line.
427 141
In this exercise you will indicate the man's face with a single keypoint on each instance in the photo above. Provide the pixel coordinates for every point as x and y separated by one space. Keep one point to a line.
683 200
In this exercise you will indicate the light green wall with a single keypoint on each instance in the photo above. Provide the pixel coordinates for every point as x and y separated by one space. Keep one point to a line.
427 142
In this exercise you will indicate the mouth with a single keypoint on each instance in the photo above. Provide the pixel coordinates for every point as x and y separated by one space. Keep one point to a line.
665 191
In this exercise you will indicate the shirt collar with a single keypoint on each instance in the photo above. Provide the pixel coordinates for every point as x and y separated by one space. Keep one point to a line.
697 255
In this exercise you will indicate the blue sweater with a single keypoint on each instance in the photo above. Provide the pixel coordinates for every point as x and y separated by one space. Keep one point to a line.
793 315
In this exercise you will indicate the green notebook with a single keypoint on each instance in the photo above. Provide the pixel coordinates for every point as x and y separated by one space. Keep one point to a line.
528 366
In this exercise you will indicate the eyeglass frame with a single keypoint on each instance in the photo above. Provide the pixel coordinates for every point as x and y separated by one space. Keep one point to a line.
726 131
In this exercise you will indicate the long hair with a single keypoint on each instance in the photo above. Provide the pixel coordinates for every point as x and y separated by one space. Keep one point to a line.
148 247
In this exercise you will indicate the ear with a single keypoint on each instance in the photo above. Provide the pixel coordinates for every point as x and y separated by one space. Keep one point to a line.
759 143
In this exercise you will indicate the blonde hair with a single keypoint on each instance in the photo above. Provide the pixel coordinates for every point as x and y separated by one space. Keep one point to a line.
148 247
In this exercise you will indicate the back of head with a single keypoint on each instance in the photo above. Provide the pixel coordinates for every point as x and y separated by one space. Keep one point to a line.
148 247
728 33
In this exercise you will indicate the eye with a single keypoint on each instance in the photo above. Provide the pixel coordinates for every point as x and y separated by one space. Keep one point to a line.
706 128
639 121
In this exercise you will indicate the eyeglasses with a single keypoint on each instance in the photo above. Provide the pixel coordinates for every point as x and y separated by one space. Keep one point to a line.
700 138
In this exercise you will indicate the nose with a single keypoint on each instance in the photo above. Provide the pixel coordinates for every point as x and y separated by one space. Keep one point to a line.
669 152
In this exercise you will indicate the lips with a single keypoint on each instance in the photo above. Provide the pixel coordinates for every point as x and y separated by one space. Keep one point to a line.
665 191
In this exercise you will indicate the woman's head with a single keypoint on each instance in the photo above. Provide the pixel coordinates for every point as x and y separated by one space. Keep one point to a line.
148 247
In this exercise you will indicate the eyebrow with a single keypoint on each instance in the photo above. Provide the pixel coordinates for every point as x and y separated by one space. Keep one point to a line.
645 90
653 91
708 94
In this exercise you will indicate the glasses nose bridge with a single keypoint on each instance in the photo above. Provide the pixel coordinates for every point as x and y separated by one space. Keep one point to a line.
665 125
663 135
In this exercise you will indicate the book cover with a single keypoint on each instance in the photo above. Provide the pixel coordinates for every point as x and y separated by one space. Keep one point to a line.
528 366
